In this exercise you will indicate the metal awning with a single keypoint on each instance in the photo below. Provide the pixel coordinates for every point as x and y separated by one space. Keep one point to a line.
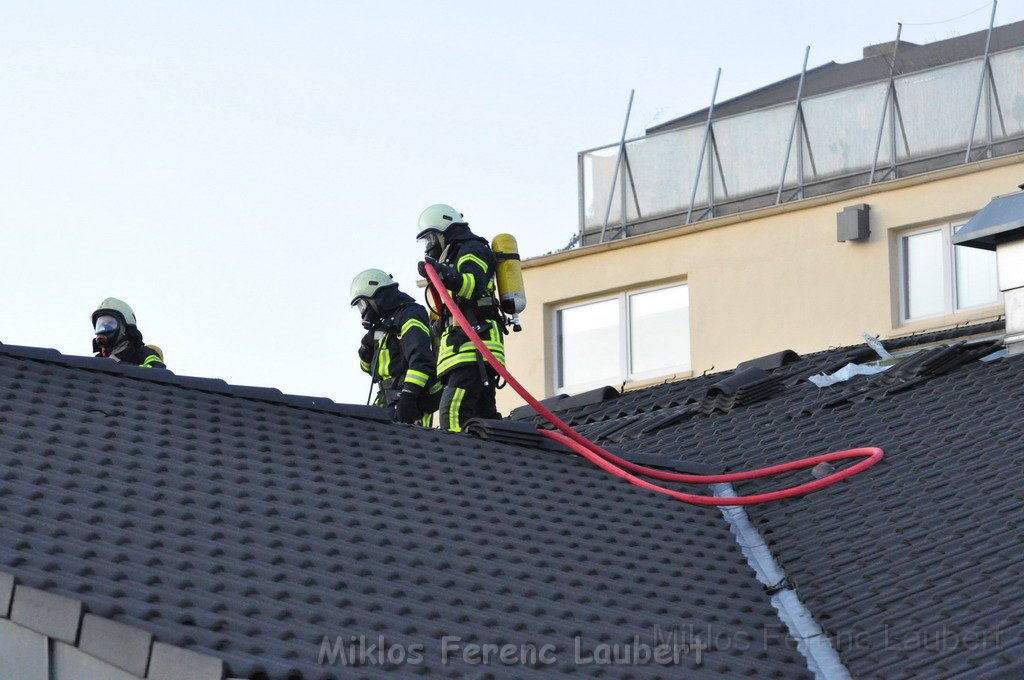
1000 221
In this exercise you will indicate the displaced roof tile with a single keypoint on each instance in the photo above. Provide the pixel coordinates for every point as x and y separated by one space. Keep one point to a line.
739 389
770 362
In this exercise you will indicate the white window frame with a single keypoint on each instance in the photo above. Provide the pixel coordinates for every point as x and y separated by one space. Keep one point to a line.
950 303
625 374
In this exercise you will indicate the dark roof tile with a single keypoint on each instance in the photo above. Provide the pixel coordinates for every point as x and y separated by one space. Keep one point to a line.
248 527
770 362
920 547
748 386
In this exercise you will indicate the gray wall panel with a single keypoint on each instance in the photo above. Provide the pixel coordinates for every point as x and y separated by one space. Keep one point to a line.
22 653
6 593
70 663
52 615
122 646
174 663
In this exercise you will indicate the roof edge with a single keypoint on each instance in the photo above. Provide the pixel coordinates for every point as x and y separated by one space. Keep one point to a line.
58 617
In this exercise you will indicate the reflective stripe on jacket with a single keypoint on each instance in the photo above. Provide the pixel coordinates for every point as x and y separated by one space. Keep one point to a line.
139 355
404 353
456 349
475 262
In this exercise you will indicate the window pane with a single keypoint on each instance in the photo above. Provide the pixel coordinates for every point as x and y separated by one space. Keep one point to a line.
924 274
976 276
659 323
976 282
588 343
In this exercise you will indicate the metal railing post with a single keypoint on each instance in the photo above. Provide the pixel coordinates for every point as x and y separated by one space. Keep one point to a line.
618 162
792 130
889 106
981 85
703 146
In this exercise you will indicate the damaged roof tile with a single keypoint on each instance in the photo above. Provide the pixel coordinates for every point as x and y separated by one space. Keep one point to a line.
912 569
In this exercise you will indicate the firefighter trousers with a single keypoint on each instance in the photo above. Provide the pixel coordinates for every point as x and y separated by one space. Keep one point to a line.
465 396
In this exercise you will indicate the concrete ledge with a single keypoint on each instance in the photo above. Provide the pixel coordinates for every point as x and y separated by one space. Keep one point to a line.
6 593
119 645
54 616
175 663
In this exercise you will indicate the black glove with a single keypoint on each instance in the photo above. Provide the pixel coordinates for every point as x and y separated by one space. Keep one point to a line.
450 276
366 346
407 410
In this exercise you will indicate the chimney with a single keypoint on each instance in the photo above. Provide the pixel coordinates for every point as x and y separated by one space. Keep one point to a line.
999 226
887 48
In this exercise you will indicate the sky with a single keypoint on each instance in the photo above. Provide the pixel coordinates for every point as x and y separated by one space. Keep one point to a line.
228 167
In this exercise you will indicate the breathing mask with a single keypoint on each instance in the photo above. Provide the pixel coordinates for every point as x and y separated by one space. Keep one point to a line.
368 311
108 330
433 243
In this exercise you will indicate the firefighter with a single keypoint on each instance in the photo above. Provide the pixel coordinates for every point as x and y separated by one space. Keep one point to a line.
396 350
117 336
466 265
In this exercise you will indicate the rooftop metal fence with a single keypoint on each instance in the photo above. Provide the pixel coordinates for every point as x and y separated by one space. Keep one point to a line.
961 111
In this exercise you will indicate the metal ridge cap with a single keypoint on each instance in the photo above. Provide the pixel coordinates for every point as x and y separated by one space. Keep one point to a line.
812 642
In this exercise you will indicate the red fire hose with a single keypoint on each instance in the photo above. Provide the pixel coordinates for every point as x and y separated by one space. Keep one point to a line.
620 467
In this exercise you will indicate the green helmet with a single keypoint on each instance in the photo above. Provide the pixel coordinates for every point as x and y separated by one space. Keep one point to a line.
368 282
438 217
115 306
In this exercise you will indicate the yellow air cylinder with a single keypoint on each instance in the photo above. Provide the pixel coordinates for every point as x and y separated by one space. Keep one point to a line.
511 292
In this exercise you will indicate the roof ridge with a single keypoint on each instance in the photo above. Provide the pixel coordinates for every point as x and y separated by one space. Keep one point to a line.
836 76
212 385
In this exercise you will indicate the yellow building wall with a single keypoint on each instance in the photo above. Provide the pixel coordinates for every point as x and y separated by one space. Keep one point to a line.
765 280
